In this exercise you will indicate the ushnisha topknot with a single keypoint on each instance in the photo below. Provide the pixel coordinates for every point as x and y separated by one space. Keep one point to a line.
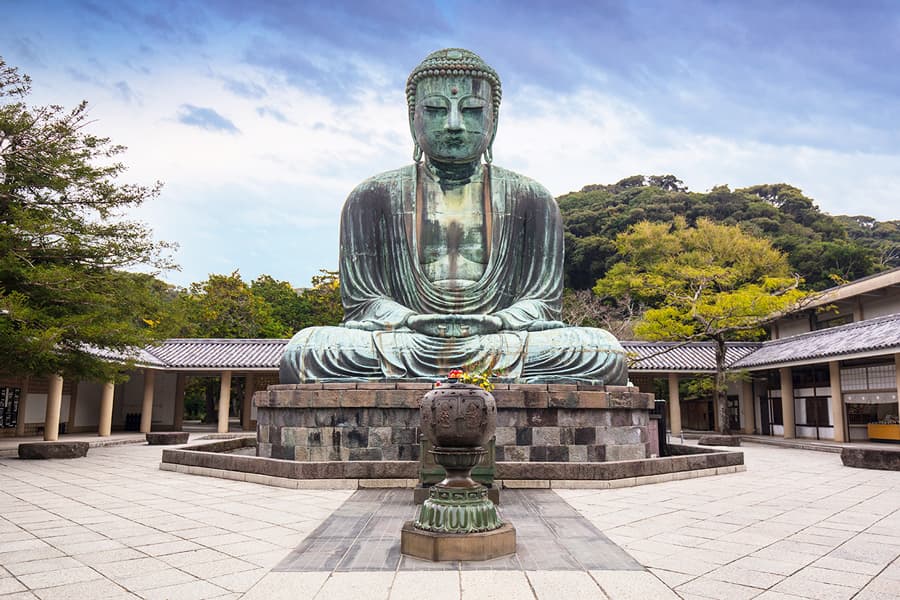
453 61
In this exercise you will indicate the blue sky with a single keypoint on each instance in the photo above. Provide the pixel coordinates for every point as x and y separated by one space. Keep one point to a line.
260 117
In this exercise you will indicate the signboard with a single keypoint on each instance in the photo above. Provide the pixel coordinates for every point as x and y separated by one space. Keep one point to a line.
9 406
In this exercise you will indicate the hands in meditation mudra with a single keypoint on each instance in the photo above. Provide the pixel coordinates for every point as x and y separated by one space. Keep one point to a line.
449 262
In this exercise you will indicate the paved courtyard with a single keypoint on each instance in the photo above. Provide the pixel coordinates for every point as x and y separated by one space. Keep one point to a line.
796 524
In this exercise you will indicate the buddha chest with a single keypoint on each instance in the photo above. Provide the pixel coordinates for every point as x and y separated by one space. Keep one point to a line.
452 235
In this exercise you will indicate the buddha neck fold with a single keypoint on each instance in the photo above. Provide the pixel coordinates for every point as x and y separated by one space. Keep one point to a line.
450 175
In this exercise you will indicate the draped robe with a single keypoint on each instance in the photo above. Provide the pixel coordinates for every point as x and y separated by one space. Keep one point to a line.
382 283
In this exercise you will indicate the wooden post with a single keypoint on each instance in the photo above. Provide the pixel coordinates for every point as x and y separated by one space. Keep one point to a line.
674 405
897 370
147 405
747 406
178 417
787 402
224 401
106 409
54 403
246 406
837 401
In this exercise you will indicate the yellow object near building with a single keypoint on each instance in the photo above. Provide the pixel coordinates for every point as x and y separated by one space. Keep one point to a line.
880 431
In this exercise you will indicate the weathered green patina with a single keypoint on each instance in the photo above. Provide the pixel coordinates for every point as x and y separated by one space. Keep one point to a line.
451 261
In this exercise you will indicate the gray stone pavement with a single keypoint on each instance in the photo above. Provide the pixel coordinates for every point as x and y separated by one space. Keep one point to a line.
796 524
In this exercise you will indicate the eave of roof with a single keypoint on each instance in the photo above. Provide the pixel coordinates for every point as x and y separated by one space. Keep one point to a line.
857 287
873 336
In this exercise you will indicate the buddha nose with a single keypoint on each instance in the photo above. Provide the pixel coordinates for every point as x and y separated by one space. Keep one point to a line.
454 118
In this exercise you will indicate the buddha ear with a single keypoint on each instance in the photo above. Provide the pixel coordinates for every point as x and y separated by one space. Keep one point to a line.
489 151
417 150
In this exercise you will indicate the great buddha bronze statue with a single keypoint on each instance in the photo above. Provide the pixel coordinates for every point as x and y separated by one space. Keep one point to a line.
451 262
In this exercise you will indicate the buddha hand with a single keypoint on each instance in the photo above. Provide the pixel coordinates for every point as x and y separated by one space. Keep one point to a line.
454 326
542 325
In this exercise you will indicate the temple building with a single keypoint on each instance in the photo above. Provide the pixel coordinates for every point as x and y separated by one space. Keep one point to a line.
837 360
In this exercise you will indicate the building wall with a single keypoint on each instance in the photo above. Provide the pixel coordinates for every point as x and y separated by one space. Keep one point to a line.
130 397
87 410
880 307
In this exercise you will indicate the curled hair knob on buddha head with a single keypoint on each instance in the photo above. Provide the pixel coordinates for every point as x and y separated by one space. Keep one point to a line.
450 62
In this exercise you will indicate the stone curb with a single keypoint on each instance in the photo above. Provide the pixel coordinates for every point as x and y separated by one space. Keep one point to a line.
355 484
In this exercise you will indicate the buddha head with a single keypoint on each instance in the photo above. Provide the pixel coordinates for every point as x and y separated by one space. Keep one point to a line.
454 103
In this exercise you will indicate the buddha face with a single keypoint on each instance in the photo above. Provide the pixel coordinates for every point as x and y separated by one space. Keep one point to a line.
454 120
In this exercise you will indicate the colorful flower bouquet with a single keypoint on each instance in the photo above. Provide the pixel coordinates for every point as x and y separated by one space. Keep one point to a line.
482 380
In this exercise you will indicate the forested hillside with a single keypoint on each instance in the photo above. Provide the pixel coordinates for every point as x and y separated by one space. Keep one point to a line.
822 248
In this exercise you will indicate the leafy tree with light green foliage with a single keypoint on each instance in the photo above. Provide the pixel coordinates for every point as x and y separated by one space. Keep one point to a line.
323 299
224 306
317 305
286 303
66 248
709 282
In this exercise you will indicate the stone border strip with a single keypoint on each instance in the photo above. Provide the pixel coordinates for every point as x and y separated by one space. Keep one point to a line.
218 460
518 484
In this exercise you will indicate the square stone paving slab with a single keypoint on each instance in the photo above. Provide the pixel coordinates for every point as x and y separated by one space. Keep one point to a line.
364 535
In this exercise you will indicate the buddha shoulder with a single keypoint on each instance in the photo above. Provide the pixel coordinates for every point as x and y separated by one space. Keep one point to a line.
389 182
520 185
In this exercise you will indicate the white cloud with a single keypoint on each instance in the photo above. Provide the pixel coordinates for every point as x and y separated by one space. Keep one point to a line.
591 138
267 199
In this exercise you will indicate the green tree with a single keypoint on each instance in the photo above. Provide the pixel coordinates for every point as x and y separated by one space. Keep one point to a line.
287 305
317 305
65 246
709 282
323 299
852 246
224 306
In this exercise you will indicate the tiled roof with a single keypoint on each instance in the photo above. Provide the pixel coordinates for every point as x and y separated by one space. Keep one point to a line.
198 353
680 356
872 335
140 356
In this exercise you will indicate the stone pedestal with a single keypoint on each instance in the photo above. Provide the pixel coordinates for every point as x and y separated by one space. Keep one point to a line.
432 546
380 421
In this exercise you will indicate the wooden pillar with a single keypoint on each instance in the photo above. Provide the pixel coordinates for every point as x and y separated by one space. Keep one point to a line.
147 405
178 417
837 401
246 406
106 409
747 406
23 403
224 401
674 405
54 403
787 402
897 370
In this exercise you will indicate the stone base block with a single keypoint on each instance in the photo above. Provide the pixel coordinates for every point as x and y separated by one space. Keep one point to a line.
168 438
720 440
436 547
53 449
420 495
887 459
